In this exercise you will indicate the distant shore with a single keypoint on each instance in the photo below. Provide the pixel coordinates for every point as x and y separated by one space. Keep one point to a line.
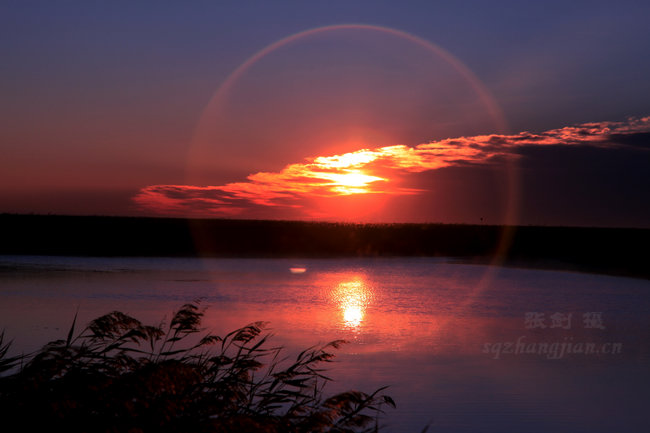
599 250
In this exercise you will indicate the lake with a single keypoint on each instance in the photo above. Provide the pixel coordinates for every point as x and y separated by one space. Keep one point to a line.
463 347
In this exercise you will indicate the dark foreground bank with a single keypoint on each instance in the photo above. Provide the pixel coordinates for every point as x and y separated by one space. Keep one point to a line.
606 250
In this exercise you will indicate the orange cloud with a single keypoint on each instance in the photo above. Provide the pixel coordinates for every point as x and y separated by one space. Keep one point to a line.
368 171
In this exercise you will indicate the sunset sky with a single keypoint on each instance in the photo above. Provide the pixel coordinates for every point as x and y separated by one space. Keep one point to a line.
456 112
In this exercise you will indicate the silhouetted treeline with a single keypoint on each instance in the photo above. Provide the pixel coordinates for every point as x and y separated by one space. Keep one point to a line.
610 250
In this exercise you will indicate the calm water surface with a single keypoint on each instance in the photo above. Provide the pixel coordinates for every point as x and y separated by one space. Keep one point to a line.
464 348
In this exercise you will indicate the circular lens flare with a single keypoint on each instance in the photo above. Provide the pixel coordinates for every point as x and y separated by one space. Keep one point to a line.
353 187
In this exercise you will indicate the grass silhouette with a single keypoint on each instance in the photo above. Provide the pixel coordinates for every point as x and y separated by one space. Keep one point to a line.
118 375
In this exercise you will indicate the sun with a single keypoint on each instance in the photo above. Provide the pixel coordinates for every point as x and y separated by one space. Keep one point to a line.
351 182
355 179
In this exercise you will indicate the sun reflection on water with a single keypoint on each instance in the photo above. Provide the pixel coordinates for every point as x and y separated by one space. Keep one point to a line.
352 298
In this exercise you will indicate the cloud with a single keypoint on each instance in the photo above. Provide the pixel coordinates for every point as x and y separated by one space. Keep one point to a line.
383 170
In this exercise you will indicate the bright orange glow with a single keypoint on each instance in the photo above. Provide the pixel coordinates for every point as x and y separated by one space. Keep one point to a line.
352 298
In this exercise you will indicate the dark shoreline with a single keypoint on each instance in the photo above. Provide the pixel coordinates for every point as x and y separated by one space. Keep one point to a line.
616 251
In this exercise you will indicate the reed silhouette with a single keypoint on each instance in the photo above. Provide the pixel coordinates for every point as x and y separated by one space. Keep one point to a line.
118 375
